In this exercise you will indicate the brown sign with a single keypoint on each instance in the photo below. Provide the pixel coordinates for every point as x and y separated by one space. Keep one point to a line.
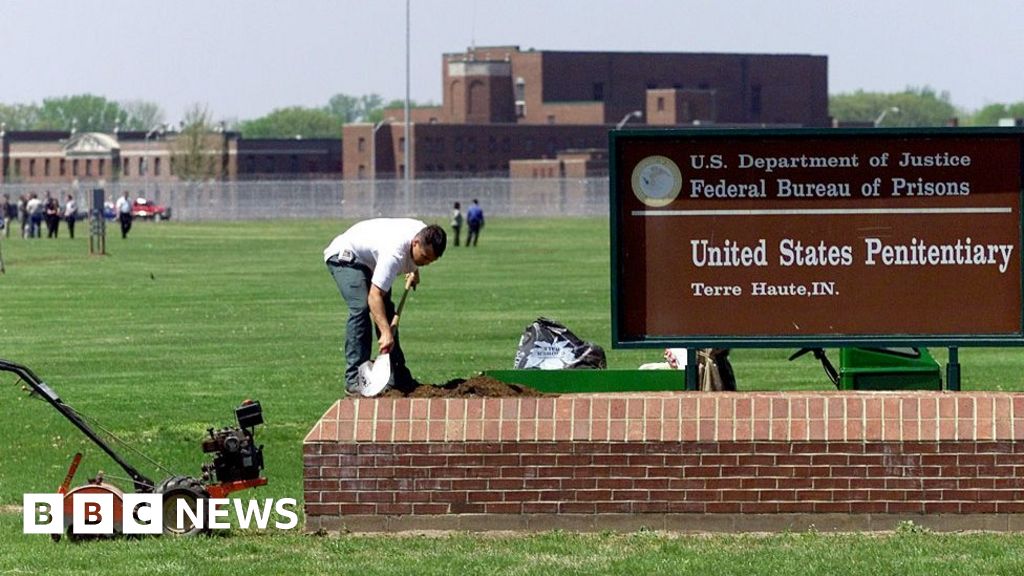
832 237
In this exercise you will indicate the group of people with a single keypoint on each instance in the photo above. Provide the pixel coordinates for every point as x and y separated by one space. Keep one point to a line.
32 212
474 219
364 262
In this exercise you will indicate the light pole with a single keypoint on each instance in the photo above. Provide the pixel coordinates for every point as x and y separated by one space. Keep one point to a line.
405 148
893 109
626 118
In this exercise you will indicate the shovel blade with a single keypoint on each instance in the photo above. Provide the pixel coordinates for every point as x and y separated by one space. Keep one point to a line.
378 377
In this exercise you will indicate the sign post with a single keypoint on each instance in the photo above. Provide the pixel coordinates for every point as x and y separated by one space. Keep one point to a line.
794 238
97 224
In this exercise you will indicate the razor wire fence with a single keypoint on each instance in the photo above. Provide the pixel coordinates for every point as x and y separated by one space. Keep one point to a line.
260 200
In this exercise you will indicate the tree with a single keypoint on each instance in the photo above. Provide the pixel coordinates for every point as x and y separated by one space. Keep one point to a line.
917 107
353 109
196 154
293 122
140 115
991 115
84 112
19 116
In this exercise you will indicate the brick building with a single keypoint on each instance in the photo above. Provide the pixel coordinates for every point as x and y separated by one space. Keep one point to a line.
139 161
502 103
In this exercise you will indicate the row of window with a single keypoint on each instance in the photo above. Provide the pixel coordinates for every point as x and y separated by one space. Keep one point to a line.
78 167
99 167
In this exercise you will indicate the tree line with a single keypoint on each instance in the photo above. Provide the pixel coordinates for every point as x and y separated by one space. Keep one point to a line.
913 107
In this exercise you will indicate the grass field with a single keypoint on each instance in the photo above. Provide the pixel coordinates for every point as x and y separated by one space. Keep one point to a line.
163 337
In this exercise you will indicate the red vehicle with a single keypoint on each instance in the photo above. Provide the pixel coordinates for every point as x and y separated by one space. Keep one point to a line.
147 209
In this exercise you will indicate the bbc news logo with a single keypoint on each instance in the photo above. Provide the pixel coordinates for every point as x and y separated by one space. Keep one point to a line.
144 514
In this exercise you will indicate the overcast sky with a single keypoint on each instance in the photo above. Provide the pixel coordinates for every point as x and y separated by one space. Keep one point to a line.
242 59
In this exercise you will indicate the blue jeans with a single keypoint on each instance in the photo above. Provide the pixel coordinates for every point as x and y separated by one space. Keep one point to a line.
354 285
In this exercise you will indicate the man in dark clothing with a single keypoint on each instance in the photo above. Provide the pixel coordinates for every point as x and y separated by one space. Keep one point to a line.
475 220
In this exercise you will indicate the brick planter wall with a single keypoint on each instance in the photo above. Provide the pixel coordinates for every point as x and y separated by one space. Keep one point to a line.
678 461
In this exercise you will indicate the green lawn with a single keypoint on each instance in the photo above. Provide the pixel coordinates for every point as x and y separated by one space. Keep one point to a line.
163 337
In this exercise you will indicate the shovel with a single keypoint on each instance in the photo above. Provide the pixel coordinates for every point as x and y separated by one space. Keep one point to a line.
375 375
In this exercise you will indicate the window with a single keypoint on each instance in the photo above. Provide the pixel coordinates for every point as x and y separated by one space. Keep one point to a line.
362 172
156 166
32 167
88 167
551 118
46 167
102 166
661 104
127 166
520 95
63 167
361 146
755 99
74 167
142 166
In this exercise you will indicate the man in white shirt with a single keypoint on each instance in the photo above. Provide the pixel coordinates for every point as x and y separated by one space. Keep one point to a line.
364 262
71 214
34 209
123 208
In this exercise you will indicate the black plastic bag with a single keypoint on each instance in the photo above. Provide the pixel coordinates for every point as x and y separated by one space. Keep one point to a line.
548 345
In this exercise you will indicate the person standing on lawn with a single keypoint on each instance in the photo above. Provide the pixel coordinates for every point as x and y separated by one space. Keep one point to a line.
475 220
364 262
457 221
71 214
123 208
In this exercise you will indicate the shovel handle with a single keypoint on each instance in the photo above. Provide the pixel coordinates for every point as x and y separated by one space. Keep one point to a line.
401 304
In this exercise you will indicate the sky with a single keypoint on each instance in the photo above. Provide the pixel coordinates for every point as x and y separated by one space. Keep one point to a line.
244 59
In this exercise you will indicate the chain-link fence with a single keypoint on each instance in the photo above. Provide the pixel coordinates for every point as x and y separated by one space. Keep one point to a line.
256 200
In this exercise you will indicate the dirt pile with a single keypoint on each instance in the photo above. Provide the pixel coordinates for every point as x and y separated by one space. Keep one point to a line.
475 387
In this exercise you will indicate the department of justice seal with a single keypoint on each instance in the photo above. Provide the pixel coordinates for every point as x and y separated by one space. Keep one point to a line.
657 181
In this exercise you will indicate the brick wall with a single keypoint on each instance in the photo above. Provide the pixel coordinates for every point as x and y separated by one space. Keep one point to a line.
685 461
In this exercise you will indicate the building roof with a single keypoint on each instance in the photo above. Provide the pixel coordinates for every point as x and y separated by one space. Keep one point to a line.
91 143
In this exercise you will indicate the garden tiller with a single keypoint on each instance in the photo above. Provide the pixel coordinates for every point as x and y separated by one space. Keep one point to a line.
237 461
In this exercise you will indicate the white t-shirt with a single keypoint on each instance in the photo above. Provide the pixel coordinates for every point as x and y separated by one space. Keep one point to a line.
383 245
123 205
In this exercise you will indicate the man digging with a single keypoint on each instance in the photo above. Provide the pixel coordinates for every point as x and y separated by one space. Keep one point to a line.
364 261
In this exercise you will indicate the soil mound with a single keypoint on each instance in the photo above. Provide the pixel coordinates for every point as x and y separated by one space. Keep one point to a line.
475 387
